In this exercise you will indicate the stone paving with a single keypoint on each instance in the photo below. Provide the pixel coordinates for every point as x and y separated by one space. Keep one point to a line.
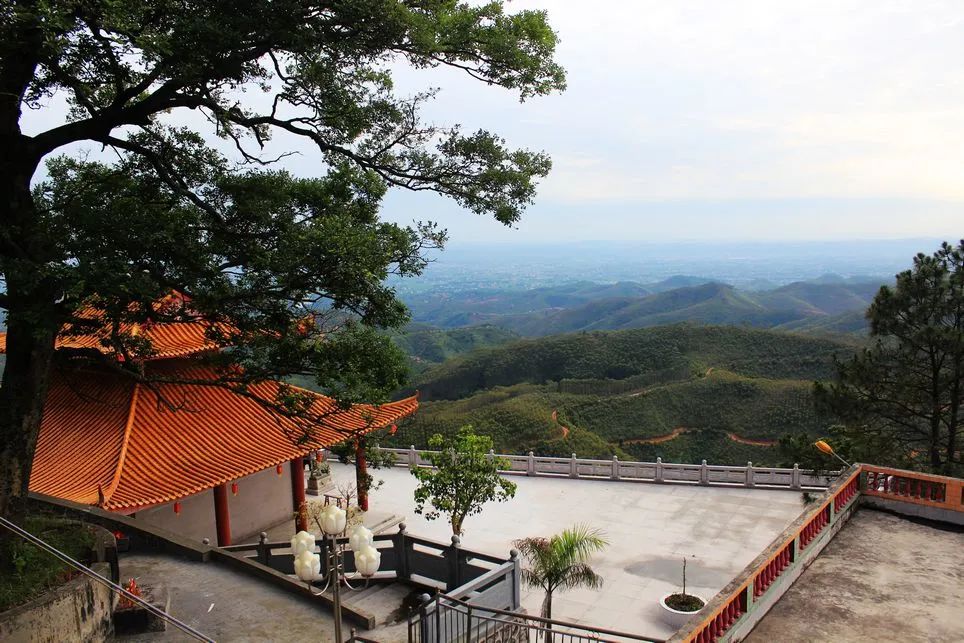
649 527
224 604
882 578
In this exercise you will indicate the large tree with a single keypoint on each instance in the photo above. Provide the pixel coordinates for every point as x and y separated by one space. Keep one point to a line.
906 389
254 249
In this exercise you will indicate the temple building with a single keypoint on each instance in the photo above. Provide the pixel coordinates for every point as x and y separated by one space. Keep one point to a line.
193 457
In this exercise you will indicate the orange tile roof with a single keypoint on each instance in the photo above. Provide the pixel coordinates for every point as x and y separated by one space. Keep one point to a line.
104 440
167 339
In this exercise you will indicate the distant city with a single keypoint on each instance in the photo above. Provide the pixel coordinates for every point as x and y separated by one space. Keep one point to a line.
751 266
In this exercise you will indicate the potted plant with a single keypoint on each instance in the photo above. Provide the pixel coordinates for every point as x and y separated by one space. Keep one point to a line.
319 476
677 608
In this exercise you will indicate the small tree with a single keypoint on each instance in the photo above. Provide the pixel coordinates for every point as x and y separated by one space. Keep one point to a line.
465 476
561 562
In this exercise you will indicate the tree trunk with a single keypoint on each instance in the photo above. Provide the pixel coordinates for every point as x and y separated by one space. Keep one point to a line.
361 473
934 446
30 350
952 425
547 613
33 320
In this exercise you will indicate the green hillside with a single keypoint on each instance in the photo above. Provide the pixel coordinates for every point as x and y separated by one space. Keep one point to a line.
852 323
682 392
463 308
619 355
710 303
426 347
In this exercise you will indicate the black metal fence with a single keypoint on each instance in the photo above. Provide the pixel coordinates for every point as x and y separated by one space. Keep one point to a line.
446 619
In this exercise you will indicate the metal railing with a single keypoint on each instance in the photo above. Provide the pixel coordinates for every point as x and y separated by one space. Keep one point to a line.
446 619
86 571
422 562
664 472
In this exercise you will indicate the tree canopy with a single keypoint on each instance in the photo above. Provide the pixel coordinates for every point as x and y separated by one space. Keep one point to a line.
294 267
465 477
905 390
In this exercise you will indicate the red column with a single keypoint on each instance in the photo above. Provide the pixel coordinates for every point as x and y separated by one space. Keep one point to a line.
221 516
361 473
298 492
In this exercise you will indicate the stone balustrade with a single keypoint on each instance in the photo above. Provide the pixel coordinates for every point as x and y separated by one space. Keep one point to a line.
630 471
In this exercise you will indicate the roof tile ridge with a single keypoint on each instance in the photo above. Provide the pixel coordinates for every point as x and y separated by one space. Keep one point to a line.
128 427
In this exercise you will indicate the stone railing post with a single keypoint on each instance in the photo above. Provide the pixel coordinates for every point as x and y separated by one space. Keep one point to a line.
401 553
749 474
453 554
573 467
531 464
795 477
659 469
704 474
615 473
412 457
516 579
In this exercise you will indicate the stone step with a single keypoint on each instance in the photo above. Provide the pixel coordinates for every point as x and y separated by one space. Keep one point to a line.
382 601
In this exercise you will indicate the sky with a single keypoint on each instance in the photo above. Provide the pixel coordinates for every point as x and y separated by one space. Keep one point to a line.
740 120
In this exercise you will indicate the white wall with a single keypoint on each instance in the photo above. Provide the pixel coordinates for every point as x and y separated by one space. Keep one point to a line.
263 501
196 520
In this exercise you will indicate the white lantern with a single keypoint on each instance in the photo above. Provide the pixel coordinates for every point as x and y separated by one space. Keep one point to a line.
367 560
361 536
333 520
302 541
307 566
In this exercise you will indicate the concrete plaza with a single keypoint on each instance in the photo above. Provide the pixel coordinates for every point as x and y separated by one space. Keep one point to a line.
883 578
650 528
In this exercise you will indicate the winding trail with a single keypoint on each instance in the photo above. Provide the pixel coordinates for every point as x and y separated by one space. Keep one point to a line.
753 442
659 439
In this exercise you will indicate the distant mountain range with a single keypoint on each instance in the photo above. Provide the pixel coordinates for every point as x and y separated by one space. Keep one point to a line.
829 304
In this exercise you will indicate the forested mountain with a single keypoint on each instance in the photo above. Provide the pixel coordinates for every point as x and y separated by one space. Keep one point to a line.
479 306
664 352
826 305
427 346
683 392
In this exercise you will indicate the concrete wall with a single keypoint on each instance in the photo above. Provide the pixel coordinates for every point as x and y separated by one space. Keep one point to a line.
78 610
762 605
263 501
904 508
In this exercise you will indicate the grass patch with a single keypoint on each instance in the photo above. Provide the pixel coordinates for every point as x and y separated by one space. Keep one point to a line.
27 570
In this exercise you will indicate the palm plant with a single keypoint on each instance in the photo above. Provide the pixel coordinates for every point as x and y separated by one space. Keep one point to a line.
561 563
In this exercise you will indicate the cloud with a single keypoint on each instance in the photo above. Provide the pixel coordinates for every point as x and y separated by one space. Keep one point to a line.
852 107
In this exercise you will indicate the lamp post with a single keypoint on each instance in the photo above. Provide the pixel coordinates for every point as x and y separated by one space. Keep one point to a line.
826 448
333 521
